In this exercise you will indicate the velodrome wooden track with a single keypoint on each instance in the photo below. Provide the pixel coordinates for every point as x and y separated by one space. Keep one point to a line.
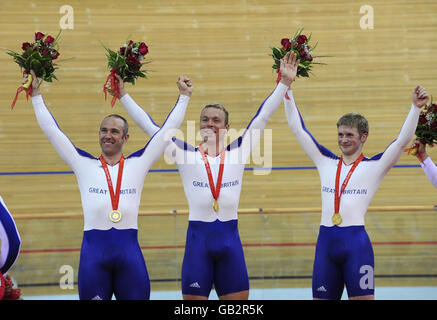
224 47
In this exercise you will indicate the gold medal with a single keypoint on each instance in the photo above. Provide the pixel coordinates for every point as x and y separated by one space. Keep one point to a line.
215 190
336 219
115 216
215 205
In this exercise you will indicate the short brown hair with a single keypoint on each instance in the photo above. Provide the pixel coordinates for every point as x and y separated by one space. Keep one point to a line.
356 120
126 126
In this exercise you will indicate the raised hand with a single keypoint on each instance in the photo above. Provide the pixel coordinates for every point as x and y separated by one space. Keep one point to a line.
35 84
119 82
420 97
185 85
418 149
288 68
421 148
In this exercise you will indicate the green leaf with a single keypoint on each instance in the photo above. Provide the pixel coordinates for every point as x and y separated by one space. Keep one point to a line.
309 37
277 53
298 32
128 38
35 65
303 72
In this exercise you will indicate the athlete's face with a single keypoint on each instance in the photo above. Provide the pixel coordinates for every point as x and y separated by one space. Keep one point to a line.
111 136
349 140
212 124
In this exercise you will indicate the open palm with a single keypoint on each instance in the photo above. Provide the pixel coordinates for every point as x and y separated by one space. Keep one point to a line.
288 69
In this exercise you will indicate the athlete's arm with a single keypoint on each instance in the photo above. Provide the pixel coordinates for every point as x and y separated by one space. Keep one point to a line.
138 115
163 137
392 154
426 162
252 134
309 144
430 170
63 146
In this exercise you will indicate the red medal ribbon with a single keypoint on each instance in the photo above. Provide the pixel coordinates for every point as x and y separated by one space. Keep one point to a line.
215 190
114 86
21 88
115 197
337 196
279 79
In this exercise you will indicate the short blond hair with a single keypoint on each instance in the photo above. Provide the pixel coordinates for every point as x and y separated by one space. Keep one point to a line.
218 106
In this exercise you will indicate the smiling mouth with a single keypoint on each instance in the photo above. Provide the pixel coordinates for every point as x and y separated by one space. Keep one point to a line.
209 131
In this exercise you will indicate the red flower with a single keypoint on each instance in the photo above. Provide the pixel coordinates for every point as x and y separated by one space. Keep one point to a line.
25 45
286 44
122 50
49 39
422 119
39 36
133 62
10 293
45 51
302 53
143 49
309 58
302 39
432 108
55 54
434 126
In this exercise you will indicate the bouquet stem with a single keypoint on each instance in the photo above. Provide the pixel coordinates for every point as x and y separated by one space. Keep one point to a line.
114 86
27 87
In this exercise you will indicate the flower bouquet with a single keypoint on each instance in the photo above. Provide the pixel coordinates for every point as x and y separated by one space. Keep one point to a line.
7 290
127 63
426 130
299 43
37 56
